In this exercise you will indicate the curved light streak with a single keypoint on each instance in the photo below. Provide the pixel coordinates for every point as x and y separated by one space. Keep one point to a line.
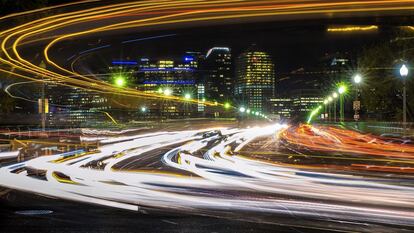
164 13
221 180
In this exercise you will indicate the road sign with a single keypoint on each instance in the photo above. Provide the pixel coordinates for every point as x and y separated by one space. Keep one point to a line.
357 105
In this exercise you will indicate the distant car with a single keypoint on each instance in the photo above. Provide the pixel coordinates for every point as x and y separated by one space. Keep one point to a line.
225 138
212 133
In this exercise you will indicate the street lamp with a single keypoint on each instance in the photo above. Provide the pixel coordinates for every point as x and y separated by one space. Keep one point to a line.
330 99
227 105
325 108
119 81
357 80
143 109
341 91
242 109
167 92
248 111
404 74
334 96
404 71
187 97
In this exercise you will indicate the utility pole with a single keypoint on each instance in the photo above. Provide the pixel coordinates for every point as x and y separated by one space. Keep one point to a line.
357 104
404 105
43 106
404 74
341 108
43 101
329 112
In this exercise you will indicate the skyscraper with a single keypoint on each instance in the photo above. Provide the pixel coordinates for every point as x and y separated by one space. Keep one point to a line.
255 79
218 74
170 77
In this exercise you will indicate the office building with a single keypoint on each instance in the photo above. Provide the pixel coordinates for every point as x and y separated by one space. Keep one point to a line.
255 79
219 81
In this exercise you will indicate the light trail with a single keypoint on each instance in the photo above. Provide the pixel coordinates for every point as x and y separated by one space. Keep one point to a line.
331 139
223 181
352 28
7 90
46 8
149 13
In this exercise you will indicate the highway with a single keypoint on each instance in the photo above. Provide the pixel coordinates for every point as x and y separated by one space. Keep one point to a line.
208 172
323 178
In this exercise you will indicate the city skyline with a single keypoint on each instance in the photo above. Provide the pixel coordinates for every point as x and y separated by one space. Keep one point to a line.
274 39
182 116
195 68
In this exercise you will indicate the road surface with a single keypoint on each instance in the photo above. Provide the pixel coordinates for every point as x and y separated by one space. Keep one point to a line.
208 172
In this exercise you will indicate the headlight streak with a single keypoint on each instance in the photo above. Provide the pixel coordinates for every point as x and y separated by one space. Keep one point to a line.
336 196
221 172
46 8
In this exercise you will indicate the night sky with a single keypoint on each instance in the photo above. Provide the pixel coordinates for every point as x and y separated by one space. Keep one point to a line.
294 46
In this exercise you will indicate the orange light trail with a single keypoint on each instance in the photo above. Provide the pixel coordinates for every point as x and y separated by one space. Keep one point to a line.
331 139
352 28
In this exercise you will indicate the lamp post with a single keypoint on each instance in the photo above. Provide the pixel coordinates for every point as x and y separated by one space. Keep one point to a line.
334 97
143 111
187 111
404 74
42 101
120 81
330 99
240 117
168 92
341 91
357 80
165 106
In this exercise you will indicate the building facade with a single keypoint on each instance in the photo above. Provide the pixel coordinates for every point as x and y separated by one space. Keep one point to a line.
282 107
218 74
170 77
255 79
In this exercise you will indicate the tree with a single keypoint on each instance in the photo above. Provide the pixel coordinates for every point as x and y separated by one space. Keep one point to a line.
7 103
382 88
